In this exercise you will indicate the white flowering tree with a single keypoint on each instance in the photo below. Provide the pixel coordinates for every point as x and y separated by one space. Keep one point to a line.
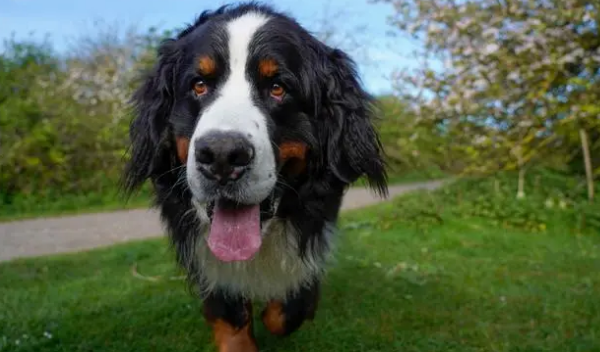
515 82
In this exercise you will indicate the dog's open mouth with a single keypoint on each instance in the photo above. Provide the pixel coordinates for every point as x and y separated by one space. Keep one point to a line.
235 231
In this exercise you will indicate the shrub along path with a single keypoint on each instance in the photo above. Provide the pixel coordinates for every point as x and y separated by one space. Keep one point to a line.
73 233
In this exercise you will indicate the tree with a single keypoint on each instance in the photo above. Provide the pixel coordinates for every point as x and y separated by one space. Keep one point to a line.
519 78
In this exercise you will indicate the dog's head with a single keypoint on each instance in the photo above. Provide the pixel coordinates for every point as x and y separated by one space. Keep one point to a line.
245 98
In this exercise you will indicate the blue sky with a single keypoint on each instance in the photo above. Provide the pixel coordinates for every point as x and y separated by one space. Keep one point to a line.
64 20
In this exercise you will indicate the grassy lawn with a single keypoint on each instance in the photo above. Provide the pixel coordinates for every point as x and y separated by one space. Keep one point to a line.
70 204
459 286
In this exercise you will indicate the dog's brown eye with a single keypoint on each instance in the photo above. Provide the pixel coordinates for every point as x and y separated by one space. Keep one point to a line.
200 88
277 91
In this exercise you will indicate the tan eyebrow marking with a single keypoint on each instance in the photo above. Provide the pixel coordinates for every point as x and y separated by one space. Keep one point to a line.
206 65
267 67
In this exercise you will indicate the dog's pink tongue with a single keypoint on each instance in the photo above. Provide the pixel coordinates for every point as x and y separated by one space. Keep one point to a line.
235 233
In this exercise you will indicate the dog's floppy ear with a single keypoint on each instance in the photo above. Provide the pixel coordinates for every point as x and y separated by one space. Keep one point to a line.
352 144
152 105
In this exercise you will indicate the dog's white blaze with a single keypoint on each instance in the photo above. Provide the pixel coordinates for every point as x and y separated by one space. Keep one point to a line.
234 110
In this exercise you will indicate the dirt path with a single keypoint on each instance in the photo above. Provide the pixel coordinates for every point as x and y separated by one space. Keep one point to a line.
73 233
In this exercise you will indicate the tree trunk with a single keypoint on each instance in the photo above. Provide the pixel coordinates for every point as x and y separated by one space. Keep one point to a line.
521 189
587 160
517 151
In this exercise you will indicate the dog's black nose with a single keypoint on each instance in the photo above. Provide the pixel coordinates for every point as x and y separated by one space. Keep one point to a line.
223 156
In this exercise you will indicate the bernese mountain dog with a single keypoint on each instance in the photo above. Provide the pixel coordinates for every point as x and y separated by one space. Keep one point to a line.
251 130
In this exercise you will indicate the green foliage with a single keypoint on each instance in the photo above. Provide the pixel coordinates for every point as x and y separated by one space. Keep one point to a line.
510 83
50 140
553 200
409 147
22 119
64 121
53 202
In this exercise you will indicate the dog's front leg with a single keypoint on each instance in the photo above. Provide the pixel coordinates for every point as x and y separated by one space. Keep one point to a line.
231 321
284 317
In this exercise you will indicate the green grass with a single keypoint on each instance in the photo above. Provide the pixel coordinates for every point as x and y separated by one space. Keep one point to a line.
58 204
459 286
71 205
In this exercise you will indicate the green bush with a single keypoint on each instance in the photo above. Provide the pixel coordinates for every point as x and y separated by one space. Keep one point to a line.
64 123
552 199
409 146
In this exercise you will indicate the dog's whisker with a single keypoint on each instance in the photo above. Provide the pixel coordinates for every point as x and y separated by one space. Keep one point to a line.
179 182
171 170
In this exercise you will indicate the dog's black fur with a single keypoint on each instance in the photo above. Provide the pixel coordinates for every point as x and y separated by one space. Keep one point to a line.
326 109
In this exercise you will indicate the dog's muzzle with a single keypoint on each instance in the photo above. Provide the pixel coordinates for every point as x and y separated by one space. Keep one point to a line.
223 157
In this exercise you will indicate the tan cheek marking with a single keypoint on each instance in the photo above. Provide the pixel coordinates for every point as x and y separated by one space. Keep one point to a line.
273 318
289 150
183 145
293 155
206 65
267 67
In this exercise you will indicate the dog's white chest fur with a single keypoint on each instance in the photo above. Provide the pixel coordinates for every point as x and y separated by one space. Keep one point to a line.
274 271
